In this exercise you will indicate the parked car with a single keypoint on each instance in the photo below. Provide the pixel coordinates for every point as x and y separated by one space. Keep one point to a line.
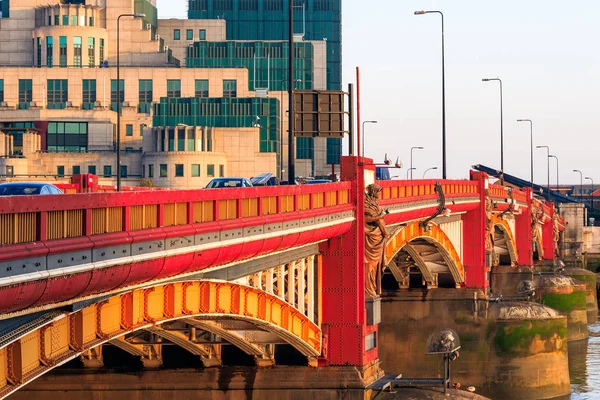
228 183
27 188
313 181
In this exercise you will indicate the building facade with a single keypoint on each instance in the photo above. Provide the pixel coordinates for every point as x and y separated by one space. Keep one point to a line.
194 105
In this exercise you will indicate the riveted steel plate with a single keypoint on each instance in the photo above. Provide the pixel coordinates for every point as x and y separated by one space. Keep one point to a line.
232 234
18 267
151 246
65 260
179 242
307 222
322 219
205 238
276 227
111 252
253 230
291 224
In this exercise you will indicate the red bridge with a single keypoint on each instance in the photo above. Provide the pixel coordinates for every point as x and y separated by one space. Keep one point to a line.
79 271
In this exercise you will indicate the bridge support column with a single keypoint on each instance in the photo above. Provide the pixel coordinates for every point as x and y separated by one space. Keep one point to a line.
348 340
92 358
524 234
474 255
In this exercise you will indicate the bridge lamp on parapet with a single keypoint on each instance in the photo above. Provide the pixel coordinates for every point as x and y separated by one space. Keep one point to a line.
119 105
501 129
423 12
548 161
557 181
365 136
408 171
428 169
411 158
531 141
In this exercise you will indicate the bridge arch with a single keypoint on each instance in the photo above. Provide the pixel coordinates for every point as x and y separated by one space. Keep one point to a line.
203 304
504 238
414 233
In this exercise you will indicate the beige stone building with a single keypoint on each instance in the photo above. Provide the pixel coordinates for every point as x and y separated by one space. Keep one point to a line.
58 98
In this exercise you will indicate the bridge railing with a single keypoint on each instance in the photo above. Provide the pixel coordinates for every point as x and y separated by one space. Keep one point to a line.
39 218
500 192
411 190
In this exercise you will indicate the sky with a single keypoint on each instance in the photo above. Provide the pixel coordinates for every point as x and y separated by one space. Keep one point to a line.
545 52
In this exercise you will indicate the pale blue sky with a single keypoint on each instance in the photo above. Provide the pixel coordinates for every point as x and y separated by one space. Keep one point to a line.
545 52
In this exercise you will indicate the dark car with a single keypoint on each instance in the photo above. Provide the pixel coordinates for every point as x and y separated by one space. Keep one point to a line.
228 183
315 181
27 188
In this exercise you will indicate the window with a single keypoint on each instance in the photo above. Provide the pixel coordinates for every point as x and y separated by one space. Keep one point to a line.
91 21
58 93
128 130
142 126
107 171
1 89
210 170
145 96
49 51
163 170
116 96
189 34
49 17
191 141
10 170
89 94
150 170
57 20
334 150
101 51
67 136
195 169
77 51
39 51
181 139
229 88
221 171
273 5
60 171
25 94
176 34
123 171
76 169
202 34
201 88
65 20
248 5
74 20
91 52
171 143
178 170
62 55
173 88
92 169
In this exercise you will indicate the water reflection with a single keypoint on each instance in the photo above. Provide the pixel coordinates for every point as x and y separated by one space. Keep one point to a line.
584 366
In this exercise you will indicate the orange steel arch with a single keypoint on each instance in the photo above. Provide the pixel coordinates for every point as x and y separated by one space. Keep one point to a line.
434 235
511 244
37 351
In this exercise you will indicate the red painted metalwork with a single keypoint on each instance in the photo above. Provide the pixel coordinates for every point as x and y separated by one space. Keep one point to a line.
474 256
548 232
524 234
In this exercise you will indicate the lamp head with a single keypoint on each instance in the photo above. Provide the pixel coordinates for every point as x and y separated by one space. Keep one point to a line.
421 12
139 15
485 80
398 163
386 160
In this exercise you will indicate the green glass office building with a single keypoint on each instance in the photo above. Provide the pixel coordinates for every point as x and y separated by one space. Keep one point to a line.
269 20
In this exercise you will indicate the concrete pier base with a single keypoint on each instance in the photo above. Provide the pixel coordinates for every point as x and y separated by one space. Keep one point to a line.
511 350
591 298
231 383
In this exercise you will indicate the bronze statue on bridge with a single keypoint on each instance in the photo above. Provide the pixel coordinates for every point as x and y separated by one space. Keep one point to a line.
375 236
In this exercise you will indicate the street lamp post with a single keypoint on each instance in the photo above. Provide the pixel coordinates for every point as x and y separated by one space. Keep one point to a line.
411 158
548 161
409 171
365 136
592 194
134 15
428 169
580 184
501 130
281 129
422 12
531 144
557 181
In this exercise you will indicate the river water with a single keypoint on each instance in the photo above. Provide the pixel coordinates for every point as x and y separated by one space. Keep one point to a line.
584 366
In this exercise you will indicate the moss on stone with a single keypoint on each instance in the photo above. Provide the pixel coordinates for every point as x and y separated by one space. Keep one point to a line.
516 338
565 302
